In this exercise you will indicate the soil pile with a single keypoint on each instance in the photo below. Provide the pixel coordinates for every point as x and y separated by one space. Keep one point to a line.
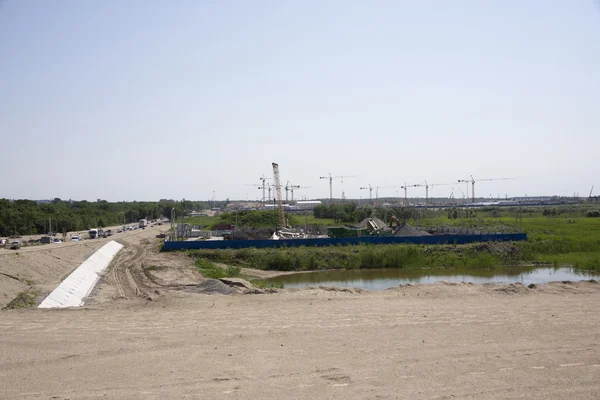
212 286
405 229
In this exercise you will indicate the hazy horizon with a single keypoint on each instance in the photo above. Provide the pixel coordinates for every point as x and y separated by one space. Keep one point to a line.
144 100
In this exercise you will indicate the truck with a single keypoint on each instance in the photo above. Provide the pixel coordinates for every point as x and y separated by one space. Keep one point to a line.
93 233
143 223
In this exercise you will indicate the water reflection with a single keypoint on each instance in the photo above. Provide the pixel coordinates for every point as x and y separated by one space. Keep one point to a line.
381 279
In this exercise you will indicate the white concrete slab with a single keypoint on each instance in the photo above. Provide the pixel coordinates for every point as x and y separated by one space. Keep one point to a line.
76 287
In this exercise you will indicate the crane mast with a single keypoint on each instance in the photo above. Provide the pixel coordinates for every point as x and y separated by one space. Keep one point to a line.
472 181
331 178
278 194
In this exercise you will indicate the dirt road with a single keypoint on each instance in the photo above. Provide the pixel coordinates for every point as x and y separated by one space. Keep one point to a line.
423 342
42 268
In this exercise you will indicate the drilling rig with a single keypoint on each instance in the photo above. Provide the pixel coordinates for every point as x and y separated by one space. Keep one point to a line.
277 184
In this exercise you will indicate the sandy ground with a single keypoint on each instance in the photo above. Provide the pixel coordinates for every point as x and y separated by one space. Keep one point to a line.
143 335
439 341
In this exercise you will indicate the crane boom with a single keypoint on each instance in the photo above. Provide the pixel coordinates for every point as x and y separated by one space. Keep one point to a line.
278 194
331 178
472 181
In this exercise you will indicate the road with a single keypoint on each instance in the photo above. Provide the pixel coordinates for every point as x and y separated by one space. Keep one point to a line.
438 341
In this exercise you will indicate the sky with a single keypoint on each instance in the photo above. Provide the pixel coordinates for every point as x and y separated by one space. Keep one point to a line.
143 100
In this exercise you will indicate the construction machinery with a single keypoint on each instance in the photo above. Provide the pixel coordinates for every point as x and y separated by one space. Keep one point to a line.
427 186
331 178
405 187
287 188
277 184
370 188
297 187
472 181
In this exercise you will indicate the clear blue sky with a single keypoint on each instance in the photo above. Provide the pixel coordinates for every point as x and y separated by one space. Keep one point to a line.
141 100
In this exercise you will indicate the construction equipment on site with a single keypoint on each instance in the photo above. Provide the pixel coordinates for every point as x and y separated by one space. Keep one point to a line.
287 188
331 178
427 186
472 181
263 186
405 187
297 187
591 190
278 195
370 189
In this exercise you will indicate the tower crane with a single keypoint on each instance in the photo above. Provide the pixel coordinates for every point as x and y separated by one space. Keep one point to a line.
370 188
263 186
331 178
278 194
427 186
287 188
297 187
263 180
405 187
472 181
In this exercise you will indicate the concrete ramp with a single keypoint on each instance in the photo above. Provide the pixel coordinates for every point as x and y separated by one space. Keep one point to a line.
76 287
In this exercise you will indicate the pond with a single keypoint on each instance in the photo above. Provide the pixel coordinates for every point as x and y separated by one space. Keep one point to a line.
381 279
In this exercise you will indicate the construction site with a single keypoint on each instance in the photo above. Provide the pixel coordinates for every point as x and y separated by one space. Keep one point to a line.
369 230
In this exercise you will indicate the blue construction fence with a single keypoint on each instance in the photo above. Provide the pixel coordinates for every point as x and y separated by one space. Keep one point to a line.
264 244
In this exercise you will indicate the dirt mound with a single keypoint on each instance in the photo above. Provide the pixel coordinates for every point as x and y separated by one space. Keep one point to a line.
212 286
503 249
513 288
405 229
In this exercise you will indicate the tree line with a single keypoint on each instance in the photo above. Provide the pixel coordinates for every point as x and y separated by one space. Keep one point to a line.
28 217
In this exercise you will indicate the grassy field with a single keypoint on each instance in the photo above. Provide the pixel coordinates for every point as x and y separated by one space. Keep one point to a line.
566 240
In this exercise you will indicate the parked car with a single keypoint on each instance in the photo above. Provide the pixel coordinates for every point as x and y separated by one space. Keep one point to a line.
2 242
15 245
57 240
75 238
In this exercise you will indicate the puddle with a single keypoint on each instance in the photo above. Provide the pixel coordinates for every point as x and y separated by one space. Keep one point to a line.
381 279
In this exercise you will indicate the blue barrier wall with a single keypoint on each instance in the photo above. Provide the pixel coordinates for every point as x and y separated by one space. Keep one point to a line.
263 244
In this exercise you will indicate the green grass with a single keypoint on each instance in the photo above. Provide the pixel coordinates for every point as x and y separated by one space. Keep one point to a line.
209 269
353 257
25 299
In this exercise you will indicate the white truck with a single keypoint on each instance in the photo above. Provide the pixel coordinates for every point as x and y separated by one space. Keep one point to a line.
93 233
143 223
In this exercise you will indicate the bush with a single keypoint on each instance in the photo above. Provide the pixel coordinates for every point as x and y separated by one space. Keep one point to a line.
593 214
